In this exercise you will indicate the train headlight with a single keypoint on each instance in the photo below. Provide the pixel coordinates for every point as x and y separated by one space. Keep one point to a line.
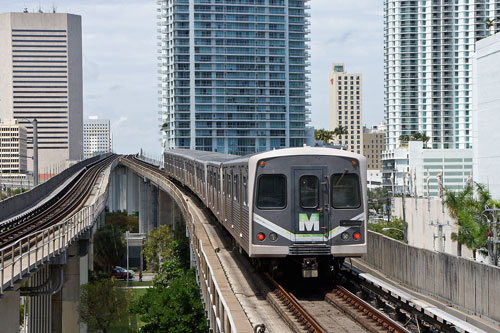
344 236
356 235
273 236
261 236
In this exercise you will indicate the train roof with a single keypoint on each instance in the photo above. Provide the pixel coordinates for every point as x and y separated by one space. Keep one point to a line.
219 158
203 156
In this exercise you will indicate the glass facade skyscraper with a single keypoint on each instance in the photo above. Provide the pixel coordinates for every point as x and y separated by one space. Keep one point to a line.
234 74
428 68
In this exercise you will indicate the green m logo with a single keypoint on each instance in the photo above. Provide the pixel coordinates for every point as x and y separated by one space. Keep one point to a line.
308 223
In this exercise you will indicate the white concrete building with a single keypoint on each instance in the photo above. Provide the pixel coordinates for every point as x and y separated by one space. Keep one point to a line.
486 113
373 179
96 137
422 172
13 149
346 107
41 77
234 74
428 68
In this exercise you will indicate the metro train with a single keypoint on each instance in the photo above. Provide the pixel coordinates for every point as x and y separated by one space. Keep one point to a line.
305 205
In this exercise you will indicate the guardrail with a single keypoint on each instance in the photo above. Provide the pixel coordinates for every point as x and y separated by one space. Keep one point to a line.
23 256
223 310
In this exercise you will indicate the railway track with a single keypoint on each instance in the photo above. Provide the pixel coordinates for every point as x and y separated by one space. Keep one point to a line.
68 200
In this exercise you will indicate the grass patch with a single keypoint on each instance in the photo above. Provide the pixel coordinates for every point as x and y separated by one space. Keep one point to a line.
134 283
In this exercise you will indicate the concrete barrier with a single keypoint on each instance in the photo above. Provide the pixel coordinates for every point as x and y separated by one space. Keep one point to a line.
11 206
469 285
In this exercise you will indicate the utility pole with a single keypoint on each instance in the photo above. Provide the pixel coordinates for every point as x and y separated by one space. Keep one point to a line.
404 209
35 152
493 241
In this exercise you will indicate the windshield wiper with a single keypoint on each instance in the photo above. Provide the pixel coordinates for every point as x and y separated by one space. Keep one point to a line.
341 176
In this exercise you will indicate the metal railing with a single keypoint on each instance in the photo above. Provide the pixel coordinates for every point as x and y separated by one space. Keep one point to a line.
20 258
221 315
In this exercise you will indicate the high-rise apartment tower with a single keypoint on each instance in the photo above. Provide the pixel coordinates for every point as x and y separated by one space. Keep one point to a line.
41 77
346 107
428 69
97 137
233 74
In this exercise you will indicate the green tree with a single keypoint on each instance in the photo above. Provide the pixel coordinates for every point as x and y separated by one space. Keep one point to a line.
102 303
173 308
157 247
404 138
376 198
489 24
323 135
339 131
468 210
396 231
124 221
109 247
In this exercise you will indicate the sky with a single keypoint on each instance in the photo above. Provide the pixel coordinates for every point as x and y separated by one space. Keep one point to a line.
120 80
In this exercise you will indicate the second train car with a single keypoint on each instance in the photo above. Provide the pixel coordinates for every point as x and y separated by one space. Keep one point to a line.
304 205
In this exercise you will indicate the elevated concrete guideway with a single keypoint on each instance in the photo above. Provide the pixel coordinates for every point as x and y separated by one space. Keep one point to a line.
54 261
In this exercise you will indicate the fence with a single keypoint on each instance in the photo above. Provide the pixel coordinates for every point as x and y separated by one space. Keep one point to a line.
29 252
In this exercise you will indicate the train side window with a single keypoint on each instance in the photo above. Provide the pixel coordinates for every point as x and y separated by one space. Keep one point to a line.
309 191
228 188
236 188
245 194
345 190
271 192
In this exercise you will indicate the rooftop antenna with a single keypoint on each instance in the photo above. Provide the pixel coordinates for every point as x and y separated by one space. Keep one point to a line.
40 8
54 9
25 10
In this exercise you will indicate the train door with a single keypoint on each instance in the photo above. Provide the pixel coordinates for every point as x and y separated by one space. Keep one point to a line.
309 199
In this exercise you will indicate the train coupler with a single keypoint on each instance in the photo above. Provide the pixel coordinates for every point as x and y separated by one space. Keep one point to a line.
310 268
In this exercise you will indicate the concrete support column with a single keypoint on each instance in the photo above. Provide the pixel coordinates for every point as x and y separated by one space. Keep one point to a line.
153 207
132 192
111 192
144 206
66 301
40 310
168 211
164 208
9 310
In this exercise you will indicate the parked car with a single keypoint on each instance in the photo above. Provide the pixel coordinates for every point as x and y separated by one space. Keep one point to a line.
121 273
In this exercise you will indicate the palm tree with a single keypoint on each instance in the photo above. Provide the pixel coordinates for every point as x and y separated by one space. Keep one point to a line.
489 24
323 135
425 139
404 139
468 211
339 131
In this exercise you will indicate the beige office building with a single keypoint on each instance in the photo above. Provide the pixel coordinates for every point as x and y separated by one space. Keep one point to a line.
346 107
13 148
373 146
41 77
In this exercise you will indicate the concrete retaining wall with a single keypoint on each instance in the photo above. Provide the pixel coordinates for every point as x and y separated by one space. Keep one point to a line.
471 285
18 203
425 218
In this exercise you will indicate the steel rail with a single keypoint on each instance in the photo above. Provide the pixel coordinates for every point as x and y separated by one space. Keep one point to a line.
292 305
361 306
71 201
